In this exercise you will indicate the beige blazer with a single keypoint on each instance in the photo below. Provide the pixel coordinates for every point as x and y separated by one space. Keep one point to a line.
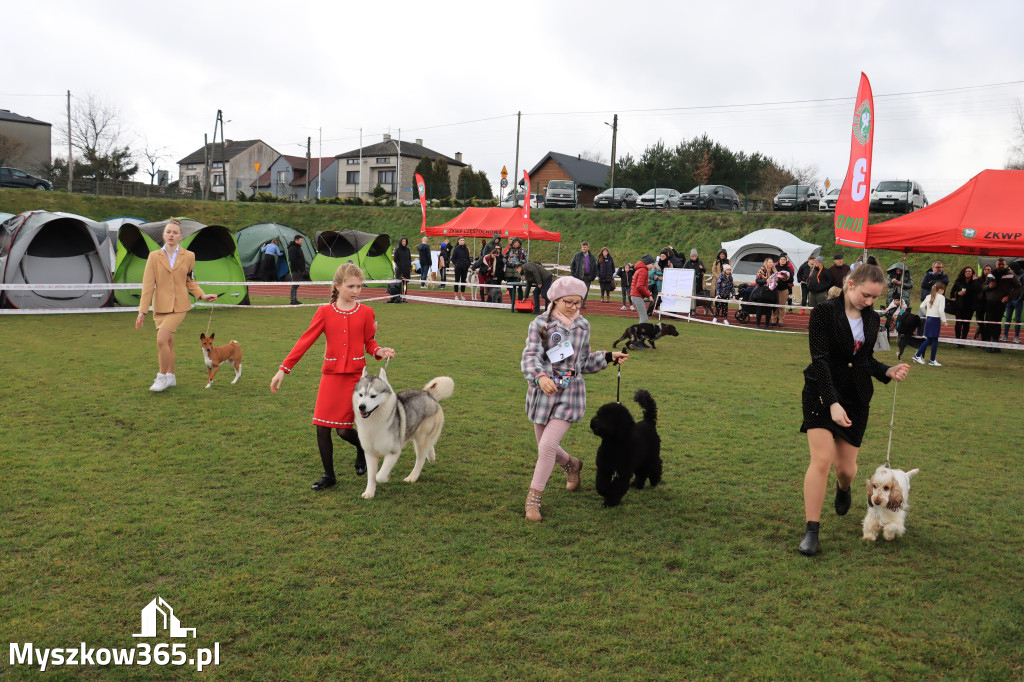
168 288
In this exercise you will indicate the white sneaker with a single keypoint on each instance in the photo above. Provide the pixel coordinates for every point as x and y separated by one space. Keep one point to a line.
1016 339
933 363
624 307
918 359
725 322
171 380
160 383
632 308
714 320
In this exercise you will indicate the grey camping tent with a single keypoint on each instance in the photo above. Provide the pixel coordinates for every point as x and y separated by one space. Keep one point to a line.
40 247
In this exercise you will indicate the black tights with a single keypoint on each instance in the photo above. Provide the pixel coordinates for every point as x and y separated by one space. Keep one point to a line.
326 445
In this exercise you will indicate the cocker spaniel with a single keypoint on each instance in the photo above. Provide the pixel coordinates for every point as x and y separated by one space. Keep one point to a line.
888 495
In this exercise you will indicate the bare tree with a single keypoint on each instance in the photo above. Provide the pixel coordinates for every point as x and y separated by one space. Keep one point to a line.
11 151
97 132
595 156
1016 160
153 157
808 174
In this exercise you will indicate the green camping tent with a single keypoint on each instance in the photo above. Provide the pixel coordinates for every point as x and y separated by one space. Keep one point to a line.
371 252
250 239
213 245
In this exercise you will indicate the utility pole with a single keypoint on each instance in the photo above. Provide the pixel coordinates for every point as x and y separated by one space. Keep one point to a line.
206 165
71 158
223 154
398 188
309 141
359 185
320 160
615 129
515 173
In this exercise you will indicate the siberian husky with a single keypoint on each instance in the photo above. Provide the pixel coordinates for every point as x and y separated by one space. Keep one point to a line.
386 421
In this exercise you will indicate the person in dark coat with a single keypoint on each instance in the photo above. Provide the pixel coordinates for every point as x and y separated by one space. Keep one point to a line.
606 274
584 267
537 277
625 274
801 279
461 260
999 288
403 262
837 391
423 251
297 263
964 294
818 283
839 271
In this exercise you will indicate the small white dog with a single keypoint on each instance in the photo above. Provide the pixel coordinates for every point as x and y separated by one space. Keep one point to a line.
888 494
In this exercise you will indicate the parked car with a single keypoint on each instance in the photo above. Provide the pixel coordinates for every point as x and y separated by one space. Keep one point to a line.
797 198
624 198
659 197
828 202
897 196
15 177
710 197
536 200
560 193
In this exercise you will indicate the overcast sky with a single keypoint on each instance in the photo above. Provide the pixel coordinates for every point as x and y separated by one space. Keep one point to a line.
772 77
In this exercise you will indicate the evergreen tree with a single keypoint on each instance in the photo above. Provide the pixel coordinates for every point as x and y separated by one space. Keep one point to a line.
484 184
426 170
469 184
441 187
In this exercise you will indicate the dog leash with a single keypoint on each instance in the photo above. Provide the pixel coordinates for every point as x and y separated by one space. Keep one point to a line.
892 420
209 321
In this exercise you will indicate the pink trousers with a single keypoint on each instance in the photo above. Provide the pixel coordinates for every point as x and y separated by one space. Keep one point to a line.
549 450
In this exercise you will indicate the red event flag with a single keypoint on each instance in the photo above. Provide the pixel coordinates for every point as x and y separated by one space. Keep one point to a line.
422 189
526 203
855 197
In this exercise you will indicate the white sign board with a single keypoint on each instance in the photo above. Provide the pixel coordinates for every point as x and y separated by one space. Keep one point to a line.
677 290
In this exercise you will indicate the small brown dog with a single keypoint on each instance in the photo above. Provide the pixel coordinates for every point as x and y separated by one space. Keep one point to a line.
214 356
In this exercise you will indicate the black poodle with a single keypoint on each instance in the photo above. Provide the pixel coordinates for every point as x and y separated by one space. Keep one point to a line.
628 450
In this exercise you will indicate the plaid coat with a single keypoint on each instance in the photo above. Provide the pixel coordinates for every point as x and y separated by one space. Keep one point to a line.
570 402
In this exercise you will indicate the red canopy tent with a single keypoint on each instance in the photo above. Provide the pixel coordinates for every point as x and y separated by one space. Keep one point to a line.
486 222
983 217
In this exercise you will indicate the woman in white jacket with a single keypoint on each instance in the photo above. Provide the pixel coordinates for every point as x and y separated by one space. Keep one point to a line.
933 310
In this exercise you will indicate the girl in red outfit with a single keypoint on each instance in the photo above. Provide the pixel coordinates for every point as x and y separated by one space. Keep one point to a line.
349 327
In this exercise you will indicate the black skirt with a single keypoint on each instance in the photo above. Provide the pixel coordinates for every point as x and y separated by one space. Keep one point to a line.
817 415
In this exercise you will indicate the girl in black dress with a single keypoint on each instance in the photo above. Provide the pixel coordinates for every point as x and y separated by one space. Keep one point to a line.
837 390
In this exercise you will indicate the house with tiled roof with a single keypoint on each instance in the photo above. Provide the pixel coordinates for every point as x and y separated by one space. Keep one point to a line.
232 165
25 143
360 170
287 177
590 176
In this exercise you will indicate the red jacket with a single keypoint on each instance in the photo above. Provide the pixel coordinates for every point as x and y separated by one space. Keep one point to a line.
349 336
640 276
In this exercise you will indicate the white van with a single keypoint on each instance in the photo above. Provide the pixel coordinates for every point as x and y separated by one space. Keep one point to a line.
897 196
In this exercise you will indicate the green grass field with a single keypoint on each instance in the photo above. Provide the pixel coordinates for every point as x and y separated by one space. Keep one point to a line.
112 495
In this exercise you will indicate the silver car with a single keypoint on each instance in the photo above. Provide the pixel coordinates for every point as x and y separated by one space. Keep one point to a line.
659 197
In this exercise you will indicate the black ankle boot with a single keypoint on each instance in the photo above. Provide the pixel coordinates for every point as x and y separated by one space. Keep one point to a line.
360 463
843 500
809 545
326 481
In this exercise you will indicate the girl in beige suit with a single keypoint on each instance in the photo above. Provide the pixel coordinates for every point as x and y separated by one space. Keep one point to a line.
167 282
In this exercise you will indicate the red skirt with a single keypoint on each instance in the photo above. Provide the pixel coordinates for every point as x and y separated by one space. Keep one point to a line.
334 401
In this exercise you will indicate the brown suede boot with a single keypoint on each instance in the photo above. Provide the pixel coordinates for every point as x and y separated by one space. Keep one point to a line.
572 473
533 504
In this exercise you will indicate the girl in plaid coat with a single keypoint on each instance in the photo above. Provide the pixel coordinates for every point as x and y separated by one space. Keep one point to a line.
556 357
